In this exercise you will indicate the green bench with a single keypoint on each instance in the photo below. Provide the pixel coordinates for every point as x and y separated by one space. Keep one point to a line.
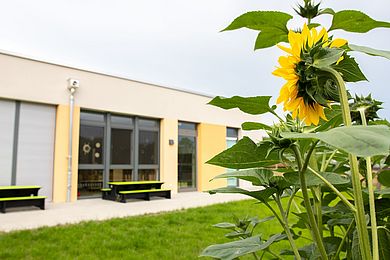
144 194
20 196
121 191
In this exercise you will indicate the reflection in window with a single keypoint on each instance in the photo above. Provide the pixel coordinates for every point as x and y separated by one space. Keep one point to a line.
121 175
147 175
91 144
187 162
120 146
90 182
148 144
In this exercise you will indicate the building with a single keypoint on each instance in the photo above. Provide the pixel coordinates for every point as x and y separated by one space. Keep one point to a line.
121 130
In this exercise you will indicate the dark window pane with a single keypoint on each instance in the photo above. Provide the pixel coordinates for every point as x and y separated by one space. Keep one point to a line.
121 120
120 146
188 126
92 117
148 145
89 183
147 175
187 162
148 123
120 175
232 132
91 145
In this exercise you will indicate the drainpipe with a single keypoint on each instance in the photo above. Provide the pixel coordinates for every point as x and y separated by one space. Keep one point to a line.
73 84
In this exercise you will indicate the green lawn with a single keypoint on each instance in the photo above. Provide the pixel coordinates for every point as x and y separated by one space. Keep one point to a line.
175 235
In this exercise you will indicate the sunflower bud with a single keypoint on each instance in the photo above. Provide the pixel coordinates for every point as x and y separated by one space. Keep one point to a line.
309 10
369 105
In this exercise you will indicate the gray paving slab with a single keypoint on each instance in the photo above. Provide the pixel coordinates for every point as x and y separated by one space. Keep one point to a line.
98 209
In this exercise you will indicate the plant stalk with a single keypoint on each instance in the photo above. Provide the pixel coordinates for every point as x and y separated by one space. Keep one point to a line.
336 256
313 224
286 228
371 197
357 190
335 190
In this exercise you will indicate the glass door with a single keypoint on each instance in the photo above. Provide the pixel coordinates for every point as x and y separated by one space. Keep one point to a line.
187 157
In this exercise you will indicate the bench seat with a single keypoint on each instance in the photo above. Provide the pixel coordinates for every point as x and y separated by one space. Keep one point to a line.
38 201
144 194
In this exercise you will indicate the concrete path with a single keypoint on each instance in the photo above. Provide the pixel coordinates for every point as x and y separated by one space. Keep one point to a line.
98 209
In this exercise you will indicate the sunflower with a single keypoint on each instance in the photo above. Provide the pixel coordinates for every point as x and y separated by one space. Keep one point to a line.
308 90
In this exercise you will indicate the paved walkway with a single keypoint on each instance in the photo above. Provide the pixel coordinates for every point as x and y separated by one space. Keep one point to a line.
98 209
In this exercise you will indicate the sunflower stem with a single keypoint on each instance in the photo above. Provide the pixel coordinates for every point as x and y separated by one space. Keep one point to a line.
357 189
313 223
371 197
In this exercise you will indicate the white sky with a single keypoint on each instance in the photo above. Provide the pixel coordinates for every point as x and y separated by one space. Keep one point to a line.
176 43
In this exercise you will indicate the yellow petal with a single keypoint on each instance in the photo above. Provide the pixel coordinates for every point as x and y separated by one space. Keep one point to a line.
336 43
286 49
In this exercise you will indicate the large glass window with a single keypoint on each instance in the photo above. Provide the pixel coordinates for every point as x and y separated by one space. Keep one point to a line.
116 148
187 156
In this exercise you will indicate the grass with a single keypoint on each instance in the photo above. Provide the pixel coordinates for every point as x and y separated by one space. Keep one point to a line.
175 235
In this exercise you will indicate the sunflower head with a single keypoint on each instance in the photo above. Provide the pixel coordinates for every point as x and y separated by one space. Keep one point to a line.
308 10
308 89
369 105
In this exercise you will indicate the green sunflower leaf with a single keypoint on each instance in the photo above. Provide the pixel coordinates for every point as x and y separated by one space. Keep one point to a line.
313 180
370 51
251 105
248 126
363 141
246 154
235 249
326 57
349 70
258 177
355 21
327 11
260 195
384 178
272 24
269 37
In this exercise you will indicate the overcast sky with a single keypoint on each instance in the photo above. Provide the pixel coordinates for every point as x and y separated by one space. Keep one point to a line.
176 43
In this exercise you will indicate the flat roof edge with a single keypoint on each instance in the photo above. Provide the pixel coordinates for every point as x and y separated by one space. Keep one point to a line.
28 57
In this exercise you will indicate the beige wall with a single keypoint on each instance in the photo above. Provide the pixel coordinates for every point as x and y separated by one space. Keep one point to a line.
169 154
211 141
26 79
61 149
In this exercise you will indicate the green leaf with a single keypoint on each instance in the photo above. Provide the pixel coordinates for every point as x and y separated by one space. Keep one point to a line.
261 195
248 126
363 141
327 56
313 180
260 20
327 11
349 70
355 21
257 177
384 178
356 254
251 105
245 154
225 225
313 25
370 51
384 242
239 248
269 37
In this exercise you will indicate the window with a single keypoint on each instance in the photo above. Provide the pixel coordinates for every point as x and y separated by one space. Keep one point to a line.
116 148
231 139
187 156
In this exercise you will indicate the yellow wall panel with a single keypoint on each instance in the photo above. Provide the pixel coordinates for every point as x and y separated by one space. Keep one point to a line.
169 154
211 141
61 153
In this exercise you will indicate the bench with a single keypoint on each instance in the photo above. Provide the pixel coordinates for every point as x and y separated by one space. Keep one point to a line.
144 194
120 191
19 196
38 201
